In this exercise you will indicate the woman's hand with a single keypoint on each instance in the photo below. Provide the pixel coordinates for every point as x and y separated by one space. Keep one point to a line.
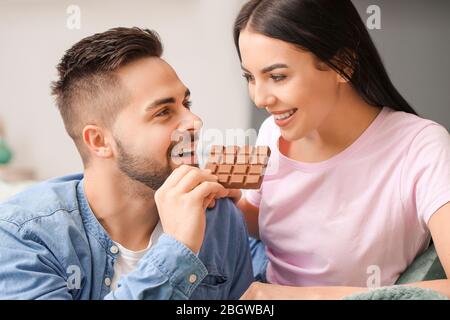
264 291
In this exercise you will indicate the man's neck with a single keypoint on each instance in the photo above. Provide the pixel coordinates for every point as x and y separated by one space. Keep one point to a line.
125 208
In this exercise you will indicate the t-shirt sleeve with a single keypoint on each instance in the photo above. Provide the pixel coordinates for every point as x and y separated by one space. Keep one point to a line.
426 173
264 134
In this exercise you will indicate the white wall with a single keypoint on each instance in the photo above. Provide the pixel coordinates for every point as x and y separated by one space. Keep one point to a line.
414 44
197 35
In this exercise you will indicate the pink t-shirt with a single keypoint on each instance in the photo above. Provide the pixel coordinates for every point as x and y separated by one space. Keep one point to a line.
359 214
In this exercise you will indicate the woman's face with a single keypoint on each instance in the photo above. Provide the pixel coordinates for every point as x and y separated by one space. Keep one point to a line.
291 84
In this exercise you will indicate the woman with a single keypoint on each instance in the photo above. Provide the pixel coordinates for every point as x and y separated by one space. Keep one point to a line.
361 182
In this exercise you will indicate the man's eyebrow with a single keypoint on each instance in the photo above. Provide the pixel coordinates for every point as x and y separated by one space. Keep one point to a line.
269 68
168 100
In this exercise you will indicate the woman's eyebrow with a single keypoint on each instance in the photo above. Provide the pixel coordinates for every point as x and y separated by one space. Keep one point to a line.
269 68
274 66
244 69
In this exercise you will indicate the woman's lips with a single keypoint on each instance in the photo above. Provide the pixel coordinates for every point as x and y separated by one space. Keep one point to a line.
283 118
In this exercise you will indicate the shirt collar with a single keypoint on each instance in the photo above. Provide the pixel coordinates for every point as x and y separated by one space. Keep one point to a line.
90 221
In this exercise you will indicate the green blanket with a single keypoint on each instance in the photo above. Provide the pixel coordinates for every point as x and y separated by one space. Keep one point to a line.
398 293
424 268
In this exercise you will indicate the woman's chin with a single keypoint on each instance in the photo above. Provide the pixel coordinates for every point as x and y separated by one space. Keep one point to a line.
292 135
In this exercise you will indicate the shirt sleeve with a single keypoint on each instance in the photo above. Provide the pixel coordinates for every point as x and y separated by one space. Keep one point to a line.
29 271
264 139
425 179
169 271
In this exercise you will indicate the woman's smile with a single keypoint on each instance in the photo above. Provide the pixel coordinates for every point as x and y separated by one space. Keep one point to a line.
283 118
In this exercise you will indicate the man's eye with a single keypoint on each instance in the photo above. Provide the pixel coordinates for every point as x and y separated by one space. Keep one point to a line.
248 77
163 113
277 77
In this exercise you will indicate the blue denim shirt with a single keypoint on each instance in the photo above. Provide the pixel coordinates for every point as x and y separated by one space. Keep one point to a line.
53 247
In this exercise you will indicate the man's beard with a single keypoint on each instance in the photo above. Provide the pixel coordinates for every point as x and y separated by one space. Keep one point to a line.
147 171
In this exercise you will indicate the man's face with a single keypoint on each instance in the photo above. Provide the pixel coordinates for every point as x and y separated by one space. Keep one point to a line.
155 132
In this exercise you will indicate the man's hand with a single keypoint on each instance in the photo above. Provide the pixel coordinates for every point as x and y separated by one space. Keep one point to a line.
182 201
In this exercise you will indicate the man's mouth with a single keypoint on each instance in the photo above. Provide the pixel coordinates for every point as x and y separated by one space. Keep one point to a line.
184 155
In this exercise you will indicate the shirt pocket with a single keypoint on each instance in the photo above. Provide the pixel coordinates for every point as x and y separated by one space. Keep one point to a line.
215 286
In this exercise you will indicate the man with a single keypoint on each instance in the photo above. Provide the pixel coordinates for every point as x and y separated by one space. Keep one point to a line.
134 225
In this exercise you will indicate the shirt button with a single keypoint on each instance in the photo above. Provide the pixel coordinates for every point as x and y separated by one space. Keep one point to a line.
192 278
107 282
114 249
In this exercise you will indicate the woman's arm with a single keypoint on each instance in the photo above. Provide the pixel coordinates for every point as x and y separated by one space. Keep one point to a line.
251 216
439 225
264 291
249 211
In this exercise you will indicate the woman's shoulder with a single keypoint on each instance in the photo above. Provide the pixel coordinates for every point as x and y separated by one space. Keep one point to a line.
412 127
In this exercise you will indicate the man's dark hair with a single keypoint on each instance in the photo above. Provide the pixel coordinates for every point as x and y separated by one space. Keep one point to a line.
88 90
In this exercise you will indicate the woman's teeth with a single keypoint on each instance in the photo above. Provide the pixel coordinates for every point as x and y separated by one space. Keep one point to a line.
284 115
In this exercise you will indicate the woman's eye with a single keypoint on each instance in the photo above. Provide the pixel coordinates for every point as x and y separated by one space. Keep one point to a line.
188 104
248 77
277 77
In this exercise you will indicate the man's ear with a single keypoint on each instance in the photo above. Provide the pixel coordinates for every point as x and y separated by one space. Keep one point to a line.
95 138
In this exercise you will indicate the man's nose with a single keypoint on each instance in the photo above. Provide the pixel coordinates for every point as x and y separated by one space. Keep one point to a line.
262 97
190 122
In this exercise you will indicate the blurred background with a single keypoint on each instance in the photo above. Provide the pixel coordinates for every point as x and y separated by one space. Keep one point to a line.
197 34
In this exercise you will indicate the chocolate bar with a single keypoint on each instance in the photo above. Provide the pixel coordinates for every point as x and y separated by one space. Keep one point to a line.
239 167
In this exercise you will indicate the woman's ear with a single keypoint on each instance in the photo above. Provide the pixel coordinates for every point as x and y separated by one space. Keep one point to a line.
95 139
346 61
339 62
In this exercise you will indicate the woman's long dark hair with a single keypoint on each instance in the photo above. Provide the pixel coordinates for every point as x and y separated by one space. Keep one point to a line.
334 32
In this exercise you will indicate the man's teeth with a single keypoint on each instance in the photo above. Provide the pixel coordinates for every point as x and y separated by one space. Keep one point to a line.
284 115
185 153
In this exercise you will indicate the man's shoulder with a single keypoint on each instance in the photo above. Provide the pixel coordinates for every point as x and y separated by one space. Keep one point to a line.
42 200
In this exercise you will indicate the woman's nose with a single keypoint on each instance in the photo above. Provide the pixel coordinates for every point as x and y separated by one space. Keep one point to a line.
262 97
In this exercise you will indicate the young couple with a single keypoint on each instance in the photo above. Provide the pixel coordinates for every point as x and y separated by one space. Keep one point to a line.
362 181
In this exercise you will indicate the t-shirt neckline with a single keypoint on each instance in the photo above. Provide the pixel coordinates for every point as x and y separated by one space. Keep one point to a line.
336 159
